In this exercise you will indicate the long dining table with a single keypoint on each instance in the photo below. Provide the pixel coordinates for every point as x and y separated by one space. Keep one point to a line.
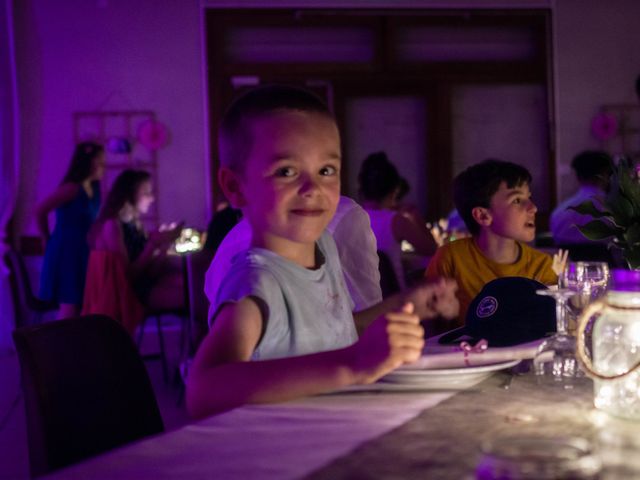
383 431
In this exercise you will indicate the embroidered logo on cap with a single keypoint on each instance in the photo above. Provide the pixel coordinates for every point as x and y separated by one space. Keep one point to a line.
487 307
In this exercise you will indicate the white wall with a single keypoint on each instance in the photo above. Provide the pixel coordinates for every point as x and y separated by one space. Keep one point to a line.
505 122
597 62
146 54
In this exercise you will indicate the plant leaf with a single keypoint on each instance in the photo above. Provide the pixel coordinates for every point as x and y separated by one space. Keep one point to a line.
632 256
632 235
621 214
622 211
588 208
630 188
598 230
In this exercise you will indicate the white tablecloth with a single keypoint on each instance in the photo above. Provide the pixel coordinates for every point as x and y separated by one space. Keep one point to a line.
282 441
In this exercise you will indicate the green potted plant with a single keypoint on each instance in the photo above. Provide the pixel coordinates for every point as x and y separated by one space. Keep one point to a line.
618 216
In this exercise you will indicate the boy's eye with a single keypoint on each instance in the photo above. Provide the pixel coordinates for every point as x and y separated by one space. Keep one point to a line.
328 171
285 172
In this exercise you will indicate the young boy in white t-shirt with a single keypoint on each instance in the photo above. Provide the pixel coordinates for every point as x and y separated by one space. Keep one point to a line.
282 325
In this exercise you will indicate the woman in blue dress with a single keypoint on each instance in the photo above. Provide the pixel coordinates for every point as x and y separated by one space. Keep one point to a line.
76 203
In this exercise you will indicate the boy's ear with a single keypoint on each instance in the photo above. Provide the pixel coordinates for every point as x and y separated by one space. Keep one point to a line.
232 187
482 216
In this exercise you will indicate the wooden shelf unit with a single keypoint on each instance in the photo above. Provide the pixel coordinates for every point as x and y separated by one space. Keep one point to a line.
101 126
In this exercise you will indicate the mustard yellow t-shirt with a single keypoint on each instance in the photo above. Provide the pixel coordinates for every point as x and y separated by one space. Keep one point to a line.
463 261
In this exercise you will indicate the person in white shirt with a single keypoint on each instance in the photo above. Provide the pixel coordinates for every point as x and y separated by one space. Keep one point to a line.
379 183
356 244
593 169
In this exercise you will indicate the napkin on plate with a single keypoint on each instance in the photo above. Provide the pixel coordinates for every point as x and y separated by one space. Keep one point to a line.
456 357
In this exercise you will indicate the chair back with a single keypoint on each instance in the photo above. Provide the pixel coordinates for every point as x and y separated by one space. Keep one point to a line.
388 281
26 304
86 390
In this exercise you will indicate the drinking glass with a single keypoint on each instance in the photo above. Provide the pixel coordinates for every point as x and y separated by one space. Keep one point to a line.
579 284
555 360
588 281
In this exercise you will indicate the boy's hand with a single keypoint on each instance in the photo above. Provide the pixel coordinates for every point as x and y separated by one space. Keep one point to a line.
391 340
559 261
433 299
439 231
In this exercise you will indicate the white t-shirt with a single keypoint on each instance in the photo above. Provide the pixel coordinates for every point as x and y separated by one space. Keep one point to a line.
357 248
564 222
305 311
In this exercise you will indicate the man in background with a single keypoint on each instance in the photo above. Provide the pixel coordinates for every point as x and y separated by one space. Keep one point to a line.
593 170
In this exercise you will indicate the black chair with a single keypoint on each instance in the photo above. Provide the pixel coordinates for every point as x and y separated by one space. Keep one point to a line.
28 308
388 280
86 390
161 353
182 313
197 264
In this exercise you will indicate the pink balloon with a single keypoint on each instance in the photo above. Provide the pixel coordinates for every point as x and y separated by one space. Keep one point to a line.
153 134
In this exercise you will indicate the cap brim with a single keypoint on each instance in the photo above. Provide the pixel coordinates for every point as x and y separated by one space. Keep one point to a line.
453 335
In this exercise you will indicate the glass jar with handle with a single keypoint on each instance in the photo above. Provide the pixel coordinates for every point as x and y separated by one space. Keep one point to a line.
615 363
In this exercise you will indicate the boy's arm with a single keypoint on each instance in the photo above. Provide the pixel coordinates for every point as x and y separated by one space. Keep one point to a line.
440 265
430 298
222 377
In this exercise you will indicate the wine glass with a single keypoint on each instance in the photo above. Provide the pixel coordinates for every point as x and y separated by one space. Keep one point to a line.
588 281
555 360
579 284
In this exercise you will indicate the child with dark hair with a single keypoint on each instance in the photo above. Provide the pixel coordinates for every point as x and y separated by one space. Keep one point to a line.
593 170
282 323
494 200
76 202
128 268
380 184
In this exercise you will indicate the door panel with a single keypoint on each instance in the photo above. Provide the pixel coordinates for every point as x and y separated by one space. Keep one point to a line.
508 122
396 125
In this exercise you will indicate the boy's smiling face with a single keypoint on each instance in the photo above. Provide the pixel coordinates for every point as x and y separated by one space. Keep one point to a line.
290 186
513 214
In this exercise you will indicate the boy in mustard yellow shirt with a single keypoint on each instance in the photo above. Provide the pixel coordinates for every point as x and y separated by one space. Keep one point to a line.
494 200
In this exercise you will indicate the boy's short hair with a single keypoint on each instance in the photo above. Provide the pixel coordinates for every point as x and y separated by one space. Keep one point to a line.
475 186
592 165
235 140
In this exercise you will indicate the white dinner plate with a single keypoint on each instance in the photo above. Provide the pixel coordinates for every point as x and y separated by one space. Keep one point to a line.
445 378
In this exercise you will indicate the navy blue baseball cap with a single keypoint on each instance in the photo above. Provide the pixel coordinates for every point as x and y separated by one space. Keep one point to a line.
506 312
